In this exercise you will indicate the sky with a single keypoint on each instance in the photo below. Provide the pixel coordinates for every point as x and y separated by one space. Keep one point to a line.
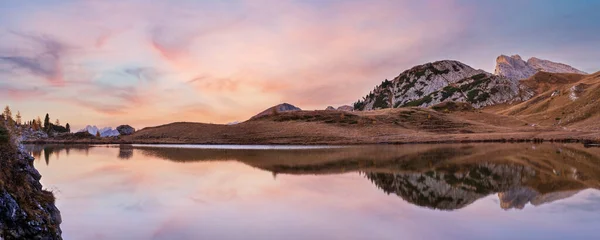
113 62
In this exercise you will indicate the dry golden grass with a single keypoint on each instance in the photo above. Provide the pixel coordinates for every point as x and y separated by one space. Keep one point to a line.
553 106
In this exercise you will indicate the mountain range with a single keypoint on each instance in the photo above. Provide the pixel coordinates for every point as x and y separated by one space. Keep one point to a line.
104 132
448 80
443 101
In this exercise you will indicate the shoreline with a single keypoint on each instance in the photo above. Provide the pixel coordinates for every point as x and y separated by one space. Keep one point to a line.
584 141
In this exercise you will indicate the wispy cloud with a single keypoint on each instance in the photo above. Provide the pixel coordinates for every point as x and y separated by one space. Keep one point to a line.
152 61
43 61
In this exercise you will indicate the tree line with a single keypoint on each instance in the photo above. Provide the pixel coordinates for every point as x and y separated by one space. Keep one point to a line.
35 124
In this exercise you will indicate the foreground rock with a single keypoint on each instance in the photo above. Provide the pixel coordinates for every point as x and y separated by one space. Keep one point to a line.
26 210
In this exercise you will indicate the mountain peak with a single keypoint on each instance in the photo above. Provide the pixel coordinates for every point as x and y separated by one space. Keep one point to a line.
283 107
552 67
432 83
515 68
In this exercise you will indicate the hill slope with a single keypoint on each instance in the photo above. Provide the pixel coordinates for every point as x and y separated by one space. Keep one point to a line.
563 100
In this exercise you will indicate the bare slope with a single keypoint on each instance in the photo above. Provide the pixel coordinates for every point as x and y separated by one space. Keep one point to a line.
562 100
439 124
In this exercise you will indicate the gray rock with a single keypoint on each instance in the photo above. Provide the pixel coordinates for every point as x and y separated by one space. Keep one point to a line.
125 130
346 108
284 107
515 68
15 221
432 83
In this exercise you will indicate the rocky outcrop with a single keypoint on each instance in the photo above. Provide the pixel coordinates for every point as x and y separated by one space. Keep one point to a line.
515 68
26 210
284 107
346 108
552 67
125 130
29 134
442 81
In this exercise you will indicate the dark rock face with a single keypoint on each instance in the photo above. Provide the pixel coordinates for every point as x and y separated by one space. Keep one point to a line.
26 210
125 130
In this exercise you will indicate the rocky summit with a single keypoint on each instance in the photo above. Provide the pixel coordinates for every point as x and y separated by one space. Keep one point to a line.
443 81
515 68
432 83
284 107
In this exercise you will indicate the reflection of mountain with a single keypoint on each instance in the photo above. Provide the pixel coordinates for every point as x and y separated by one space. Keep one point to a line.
443 177
452 189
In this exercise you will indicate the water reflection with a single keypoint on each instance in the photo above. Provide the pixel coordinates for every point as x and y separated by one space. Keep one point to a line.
443 177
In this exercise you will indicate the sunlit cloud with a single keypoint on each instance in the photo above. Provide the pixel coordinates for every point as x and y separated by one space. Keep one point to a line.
146 64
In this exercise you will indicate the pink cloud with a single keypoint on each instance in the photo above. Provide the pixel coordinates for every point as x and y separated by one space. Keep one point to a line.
229 55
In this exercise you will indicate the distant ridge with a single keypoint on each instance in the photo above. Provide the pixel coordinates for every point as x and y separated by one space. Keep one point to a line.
284 107
515 68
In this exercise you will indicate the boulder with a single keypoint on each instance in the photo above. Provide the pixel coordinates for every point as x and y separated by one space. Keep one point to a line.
330 108
125 130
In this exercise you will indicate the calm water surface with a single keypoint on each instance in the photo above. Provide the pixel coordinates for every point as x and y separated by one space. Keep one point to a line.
489 191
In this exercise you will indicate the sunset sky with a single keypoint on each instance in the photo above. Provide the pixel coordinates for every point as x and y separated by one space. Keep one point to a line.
108 63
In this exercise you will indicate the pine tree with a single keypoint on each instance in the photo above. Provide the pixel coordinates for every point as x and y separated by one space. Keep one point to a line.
98 134
47 123
38 122
7 113
35 126
68 127
18 118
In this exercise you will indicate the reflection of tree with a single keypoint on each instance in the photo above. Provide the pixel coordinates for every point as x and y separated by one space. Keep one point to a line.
444 177
47 153
53 150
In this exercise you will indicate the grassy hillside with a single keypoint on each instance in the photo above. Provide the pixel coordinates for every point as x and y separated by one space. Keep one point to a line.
443 123
563 100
